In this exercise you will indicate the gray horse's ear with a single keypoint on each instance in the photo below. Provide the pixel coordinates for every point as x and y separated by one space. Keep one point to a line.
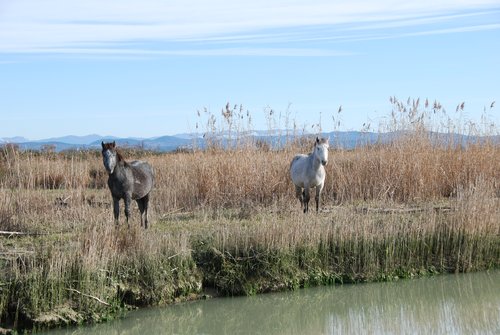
102 144
114 144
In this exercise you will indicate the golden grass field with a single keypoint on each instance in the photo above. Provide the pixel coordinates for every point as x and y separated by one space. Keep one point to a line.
227 219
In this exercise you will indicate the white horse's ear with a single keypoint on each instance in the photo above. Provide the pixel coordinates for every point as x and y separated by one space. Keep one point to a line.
317 140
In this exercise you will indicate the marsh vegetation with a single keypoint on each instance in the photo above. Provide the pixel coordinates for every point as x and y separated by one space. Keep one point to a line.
226 218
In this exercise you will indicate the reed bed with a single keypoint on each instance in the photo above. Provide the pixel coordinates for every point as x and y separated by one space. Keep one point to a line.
353 244
410 170
225 217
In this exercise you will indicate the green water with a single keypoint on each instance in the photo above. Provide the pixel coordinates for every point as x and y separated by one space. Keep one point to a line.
448 304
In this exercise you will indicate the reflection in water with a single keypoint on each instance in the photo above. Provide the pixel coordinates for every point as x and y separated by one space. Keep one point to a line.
448 304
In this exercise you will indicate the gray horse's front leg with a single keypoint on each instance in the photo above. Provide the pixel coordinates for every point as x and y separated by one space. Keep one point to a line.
307 197
116 209
319 188
127 200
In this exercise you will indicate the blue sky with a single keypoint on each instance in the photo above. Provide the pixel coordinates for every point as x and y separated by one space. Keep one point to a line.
144 68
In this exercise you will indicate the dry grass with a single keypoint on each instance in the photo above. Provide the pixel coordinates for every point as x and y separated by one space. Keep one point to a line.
407 171
230 216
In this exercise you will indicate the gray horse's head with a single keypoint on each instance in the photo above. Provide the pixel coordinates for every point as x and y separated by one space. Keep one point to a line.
321 150
109 156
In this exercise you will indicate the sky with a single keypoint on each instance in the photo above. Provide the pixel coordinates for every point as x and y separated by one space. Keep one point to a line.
145 68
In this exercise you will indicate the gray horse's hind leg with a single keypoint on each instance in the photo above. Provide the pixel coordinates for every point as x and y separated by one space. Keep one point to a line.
307 197
128 200
146 207
116 209
140 203
143 208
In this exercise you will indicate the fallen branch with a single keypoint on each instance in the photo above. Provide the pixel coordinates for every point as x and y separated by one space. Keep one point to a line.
172 212
15 252
19 233
170 257
403 210
11 233
89 296
392 210
179 253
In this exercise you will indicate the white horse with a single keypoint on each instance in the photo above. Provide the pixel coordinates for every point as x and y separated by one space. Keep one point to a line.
308 171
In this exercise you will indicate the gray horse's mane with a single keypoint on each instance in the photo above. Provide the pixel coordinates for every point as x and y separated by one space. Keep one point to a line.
112 146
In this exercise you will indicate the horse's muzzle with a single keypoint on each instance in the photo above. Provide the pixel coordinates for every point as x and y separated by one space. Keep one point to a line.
324 163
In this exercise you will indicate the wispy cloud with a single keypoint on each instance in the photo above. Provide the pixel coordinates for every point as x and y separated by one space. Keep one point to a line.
240 51
259 27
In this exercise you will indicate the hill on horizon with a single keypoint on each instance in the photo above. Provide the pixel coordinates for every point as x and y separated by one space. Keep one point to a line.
342 139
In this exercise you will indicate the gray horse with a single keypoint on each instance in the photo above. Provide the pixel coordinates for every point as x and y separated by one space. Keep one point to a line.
128 181
308 171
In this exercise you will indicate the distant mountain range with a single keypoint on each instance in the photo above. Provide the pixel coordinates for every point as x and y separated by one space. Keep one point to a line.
343 139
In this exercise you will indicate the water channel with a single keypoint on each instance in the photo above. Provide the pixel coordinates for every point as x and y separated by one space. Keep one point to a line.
446 304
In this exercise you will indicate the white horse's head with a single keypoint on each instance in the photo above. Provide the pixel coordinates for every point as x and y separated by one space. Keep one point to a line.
109 156
321 150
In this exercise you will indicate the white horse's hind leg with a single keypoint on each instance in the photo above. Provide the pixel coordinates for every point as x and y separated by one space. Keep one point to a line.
319 188
307 197
298 194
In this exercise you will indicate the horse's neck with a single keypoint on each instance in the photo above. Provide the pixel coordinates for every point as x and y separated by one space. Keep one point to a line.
314 162
120 168
119 157
120 161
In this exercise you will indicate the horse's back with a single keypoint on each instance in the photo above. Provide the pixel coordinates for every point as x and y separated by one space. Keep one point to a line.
142 165
302 173
297 167
143 177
